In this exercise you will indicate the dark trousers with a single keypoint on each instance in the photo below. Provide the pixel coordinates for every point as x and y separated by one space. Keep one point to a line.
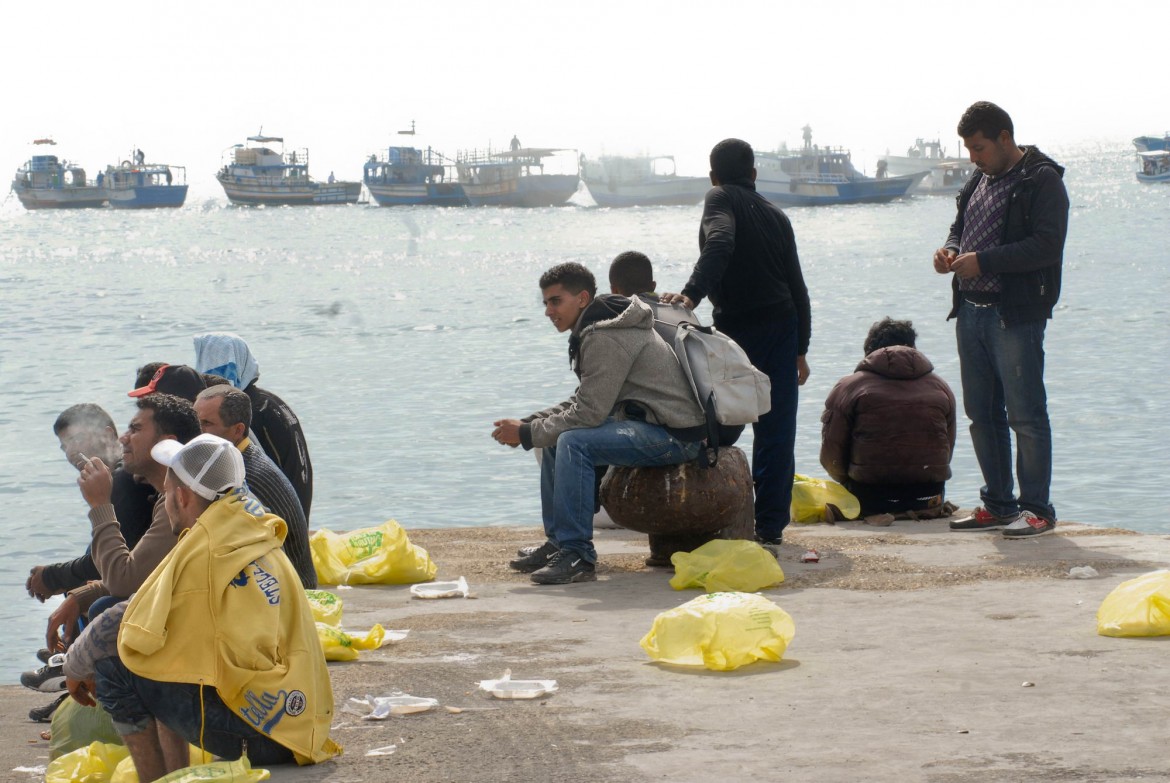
896 498
771 346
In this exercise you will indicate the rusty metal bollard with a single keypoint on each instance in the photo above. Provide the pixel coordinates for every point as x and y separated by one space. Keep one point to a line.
682 507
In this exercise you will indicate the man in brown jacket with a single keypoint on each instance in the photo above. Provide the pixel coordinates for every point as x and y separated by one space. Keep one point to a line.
889 428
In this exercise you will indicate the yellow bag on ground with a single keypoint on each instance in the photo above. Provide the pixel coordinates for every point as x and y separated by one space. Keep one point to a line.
811 495
342 646
721 631
1139 607
94 763
202 768
326 607
75 726
372 555
125 772
721 565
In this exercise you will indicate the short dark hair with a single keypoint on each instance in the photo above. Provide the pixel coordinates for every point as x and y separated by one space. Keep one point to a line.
146 372
631 273
888 332
732 159
210 380
574 277
87 415
235 407
986 118
172 415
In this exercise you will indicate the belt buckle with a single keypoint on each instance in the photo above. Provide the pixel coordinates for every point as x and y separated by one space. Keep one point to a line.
978 304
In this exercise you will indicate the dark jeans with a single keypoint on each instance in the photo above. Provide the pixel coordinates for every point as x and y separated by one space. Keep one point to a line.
132 701
1002 368
771 346
895 498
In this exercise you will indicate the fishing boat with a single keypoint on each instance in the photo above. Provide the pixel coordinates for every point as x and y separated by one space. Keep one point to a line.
45 182
640 181
944 175
407 175
815 176
258 174
136 184
515 178
1155 166
1152 143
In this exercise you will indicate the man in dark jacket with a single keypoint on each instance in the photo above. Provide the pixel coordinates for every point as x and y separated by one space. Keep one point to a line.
1005 251
749 268
889 428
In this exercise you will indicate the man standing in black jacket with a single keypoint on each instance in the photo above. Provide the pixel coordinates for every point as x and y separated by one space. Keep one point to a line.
749 268
1005 251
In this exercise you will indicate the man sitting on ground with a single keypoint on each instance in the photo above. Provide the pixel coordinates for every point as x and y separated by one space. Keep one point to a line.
159 417
226 412
633 407
889 428
218 648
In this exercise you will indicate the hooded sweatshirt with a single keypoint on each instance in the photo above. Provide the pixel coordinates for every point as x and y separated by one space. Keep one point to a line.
226 609
890 422
626 370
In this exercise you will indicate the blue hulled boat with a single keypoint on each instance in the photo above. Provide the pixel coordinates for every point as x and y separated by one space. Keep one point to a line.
1155 166
142 185
407 176
1152 143
815 176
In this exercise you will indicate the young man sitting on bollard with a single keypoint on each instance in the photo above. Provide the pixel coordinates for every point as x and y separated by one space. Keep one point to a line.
633 407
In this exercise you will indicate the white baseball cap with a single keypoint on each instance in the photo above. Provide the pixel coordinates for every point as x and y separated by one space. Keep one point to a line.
208 465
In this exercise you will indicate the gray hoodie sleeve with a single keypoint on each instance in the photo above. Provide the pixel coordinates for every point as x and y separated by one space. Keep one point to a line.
98 640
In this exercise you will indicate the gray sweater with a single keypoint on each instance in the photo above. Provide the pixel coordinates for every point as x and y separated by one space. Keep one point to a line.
622 360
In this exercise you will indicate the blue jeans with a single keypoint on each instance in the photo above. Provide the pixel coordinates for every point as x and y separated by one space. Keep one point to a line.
132 701
1002 370
771 346
567 477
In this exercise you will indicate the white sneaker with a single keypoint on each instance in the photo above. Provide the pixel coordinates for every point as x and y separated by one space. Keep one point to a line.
1028 525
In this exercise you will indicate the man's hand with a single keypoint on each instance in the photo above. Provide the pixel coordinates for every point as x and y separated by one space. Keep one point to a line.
966 266
681 299
507 432
35 584
801 370
66 615
96 482
82 691
942 260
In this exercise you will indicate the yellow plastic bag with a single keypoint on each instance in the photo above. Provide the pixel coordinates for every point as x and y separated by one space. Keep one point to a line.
811 495
326 607
94 763
202 768
1139 607
721 631
721 565
341 645
372 555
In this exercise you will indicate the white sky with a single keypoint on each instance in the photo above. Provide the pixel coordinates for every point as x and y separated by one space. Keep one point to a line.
185 80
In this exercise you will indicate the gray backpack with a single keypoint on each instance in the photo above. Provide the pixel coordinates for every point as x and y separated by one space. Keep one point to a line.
729 389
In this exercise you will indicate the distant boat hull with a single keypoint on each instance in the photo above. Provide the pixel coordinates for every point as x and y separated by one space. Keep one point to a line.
537 190
802 193
148 197
436 194
1163 177
86 197
314 193
666 191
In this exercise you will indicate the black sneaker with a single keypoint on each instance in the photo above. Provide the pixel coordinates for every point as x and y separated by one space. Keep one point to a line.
982 519
772 545
565 568
537 557
50 678
45 714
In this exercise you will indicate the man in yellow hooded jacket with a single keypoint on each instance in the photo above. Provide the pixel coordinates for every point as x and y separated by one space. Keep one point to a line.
218 648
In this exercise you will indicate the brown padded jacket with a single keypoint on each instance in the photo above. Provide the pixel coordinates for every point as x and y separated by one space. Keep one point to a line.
890 422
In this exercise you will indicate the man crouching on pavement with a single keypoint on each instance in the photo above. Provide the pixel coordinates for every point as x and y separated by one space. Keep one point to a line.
218 647
633 407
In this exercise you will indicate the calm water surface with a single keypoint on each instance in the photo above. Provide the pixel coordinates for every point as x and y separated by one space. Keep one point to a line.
398 335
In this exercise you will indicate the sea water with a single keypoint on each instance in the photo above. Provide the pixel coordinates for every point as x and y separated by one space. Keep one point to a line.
399 334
